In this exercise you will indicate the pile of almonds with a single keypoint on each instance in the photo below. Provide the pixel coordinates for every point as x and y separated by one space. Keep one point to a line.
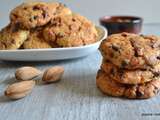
26 77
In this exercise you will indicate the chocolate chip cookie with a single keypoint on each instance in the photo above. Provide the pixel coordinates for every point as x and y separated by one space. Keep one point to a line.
12 38
131 51
33 14
36 41
138 76
70 31
142 91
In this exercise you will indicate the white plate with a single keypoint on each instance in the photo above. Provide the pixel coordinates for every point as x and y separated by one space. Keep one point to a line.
53 53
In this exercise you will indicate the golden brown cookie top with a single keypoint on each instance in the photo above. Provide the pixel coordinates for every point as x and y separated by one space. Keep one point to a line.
131 51
138 76
36 40
141 91
33 14
71 30
12 38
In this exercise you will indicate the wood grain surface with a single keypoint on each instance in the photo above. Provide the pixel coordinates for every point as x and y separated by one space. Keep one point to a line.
75 97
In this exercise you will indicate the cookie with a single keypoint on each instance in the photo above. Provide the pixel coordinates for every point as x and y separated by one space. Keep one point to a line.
33 14
70 31
61 10
142 91
131 51
12 38
36 41
138 76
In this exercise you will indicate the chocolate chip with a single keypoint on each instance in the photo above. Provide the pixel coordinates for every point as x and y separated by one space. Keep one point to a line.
112 71
73 19
35 17
124 34
152 45
156 74
30 19
60 35
16 27
124 63
70 27
139 94
107 60
115 47
12 41
14 15
54 24
158 57
40 35
57 21
36 8
155 91
45 15
25 8
121 72
136 53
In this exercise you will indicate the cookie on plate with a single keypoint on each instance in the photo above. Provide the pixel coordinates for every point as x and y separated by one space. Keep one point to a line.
33 14
142 91
61 9
12 38
138 76
131 51
70 31
36 41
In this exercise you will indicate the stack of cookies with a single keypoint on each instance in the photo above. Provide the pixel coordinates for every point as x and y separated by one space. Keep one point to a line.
130 67
36 25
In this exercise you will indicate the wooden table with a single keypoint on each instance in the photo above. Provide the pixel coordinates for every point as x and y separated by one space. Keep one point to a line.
76 97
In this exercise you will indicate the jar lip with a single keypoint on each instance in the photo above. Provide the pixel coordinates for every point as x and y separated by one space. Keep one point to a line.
123 19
